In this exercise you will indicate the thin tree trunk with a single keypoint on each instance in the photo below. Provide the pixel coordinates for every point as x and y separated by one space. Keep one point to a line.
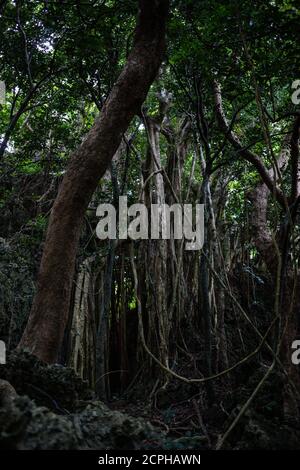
48 317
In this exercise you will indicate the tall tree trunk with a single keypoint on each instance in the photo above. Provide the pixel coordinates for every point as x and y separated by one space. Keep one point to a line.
45 328
288 292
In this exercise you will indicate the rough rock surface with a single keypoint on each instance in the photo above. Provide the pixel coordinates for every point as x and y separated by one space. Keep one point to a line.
23 425
55 409
60 412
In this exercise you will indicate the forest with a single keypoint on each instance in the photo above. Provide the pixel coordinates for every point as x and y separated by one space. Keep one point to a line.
149 225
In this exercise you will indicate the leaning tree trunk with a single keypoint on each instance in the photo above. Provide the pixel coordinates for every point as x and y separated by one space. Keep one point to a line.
45 328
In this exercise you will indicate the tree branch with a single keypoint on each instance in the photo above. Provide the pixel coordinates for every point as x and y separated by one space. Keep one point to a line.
251 157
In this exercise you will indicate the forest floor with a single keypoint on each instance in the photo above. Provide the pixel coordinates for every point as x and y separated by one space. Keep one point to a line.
54 409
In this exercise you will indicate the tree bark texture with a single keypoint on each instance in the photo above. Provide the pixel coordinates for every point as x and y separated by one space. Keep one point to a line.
48 317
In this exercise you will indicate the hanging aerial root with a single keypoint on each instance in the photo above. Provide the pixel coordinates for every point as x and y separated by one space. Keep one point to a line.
161 365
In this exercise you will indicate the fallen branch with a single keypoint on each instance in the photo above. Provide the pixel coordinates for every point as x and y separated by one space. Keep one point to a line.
245 407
